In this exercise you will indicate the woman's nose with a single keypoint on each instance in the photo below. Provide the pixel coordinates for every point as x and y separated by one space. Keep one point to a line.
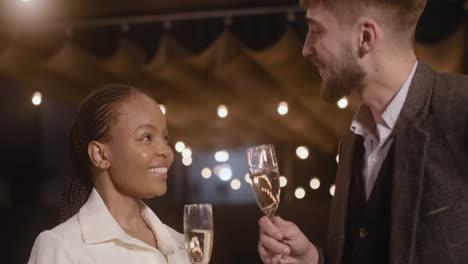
163 150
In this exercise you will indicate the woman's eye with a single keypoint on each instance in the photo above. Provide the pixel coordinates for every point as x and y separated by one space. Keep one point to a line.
166 138
146 138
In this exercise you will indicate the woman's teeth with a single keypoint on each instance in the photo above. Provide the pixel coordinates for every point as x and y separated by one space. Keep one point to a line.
158 170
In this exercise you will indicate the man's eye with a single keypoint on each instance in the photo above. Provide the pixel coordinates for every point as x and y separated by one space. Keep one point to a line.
146 138
314 29
166 138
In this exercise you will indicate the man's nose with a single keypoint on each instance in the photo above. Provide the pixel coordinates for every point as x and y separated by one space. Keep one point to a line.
307 48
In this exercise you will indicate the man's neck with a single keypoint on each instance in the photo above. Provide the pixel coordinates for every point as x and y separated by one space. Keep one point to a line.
383 82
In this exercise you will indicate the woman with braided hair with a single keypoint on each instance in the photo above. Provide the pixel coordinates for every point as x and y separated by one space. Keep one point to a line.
120 155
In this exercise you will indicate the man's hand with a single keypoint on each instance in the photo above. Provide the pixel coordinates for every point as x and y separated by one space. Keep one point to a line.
278 236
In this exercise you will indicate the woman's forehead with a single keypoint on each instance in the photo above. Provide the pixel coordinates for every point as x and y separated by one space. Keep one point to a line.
139 109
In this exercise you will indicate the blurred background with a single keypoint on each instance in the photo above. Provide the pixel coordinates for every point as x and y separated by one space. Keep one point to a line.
229 74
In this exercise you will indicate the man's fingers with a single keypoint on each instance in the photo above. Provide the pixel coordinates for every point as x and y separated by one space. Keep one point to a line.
269 228
274 246
288 229
264 254
289 260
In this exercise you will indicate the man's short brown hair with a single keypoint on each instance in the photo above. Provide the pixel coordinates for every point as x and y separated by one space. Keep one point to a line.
402 15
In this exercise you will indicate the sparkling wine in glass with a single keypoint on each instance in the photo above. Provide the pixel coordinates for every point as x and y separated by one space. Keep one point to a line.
198 231
264 175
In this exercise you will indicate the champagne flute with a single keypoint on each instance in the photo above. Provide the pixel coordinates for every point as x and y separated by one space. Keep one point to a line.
198 230
264 175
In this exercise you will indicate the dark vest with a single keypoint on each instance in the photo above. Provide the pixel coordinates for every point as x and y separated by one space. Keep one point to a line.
368 221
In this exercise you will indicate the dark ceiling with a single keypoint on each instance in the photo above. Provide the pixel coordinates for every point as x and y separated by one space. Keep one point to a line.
60 10
258 56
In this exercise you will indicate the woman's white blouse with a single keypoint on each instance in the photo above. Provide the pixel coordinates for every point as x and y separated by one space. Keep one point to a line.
93 236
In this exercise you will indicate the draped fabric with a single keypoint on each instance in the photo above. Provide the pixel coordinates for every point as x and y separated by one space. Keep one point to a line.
251 83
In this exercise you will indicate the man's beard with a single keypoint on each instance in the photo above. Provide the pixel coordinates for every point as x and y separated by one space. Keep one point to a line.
344 78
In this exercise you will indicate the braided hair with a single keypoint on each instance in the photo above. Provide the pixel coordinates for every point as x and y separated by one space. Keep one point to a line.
92 121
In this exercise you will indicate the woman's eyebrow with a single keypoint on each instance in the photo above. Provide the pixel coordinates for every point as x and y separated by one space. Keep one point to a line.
146 126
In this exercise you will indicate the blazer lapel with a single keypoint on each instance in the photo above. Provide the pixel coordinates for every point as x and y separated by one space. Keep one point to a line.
411 142
337 223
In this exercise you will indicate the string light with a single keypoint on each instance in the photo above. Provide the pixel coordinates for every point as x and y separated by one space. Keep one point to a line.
299 193
283 181
187 153
37 98
235 184
206 173
332 190
222 111
342 103
225 173
222 156
187 161
179 146
283 108
216 169
302 152
314 183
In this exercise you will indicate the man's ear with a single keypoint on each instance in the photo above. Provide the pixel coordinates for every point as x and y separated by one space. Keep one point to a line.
98 155
369 33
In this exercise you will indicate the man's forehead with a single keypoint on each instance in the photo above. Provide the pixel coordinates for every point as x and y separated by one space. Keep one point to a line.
318 14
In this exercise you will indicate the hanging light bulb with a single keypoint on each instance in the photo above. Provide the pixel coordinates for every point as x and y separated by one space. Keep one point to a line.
283 108
187 161
299 193
225 173
37 98
283 181
187 153
342 103
222 156
206 173
235 184
302 152
314 183
180 146
222 111
332 190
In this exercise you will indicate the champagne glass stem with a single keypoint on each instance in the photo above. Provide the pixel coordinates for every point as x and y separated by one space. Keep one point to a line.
277 258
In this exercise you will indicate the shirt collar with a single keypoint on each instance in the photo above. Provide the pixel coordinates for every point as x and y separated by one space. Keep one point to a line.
391 113
98 225
363 120
166 242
